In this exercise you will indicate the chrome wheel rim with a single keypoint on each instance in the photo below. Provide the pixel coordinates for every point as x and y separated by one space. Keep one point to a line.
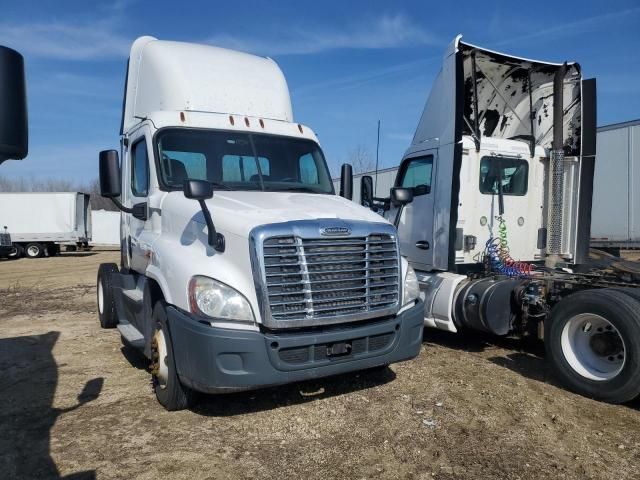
160 368
593 347
33 251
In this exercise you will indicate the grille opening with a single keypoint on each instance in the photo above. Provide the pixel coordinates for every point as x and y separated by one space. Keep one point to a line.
320 278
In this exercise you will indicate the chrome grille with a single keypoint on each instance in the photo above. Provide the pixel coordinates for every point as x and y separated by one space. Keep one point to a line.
338 278
5 240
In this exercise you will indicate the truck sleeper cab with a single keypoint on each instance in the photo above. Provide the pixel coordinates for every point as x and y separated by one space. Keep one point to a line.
240 267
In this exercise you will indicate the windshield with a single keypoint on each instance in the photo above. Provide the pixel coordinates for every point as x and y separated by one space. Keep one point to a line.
242 161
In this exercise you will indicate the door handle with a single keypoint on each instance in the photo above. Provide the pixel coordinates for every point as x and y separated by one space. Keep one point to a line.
422 245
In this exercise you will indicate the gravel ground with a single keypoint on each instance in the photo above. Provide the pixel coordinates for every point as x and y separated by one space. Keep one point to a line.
77 404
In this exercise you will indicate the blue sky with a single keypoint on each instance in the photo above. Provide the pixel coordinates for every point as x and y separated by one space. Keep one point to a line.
348 63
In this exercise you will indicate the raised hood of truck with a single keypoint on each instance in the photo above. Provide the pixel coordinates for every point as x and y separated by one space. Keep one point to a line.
485 94
176 76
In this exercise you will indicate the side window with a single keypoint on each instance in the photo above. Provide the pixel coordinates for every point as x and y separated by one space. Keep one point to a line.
139 169
416 174
308 169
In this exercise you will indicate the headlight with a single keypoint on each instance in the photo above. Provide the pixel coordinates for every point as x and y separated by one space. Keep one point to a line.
411 288
213 299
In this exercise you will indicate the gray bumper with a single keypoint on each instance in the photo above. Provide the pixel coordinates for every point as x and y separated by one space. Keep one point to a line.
217 360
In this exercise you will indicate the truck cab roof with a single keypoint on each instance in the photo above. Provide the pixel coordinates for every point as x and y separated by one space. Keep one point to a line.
167 76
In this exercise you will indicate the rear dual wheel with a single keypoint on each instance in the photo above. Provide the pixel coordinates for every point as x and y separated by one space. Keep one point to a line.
34 250
592 339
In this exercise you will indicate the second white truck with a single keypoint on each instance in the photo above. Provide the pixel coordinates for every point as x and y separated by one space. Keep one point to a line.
240 267
493 206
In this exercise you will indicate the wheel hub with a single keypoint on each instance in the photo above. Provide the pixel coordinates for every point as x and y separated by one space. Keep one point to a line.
593 347
159 368
606 344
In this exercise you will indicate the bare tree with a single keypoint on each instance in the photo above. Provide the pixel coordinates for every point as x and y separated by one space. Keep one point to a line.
361 160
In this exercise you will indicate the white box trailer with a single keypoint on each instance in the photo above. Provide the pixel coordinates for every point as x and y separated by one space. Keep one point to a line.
105 226
616 194
40 222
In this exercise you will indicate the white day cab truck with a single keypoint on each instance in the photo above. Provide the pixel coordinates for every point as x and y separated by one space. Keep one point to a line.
42 222
274 278
495 215
14 134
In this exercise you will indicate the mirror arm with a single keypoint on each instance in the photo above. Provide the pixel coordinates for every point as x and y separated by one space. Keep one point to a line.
139 210
120 206
215 239
396 222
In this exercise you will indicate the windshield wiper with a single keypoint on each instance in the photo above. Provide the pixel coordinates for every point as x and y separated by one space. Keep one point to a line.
221 185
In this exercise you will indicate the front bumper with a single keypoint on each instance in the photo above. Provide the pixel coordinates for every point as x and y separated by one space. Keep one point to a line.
217 360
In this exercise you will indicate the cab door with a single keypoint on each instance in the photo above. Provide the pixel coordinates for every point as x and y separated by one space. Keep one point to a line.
415 227
137 180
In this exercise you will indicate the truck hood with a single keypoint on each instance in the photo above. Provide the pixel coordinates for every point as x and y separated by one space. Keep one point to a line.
239 212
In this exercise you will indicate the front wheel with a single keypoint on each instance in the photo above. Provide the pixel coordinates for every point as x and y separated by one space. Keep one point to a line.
171 394
592 339
104 292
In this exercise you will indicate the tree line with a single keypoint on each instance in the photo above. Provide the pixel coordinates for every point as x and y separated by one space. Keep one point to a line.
21 184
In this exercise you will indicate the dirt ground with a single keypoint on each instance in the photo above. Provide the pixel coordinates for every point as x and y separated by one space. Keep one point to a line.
76 404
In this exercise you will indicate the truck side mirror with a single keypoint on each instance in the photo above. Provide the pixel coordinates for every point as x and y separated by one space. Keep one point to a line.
366 191
14 133
109 174
401 196
110 184
197 189
202 190
346 181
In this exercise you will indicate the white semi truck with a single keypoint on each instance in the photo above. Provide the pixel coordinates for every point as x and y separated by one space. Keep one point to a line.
13 121
240 267
492 201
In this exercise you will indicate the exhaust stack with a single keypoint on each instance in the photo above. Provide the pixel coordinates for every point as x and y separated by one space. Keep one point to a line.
556 174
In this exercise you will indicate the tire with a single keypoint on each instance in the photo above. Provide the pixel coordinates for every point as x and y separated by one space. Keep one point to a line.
16 253
592 339
631 292
104 296
171 394
34 250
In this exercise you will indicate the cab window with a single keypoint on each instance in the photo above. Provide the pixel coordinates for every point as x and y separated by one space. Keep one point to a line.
139 169
416 173
308 169
510 173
